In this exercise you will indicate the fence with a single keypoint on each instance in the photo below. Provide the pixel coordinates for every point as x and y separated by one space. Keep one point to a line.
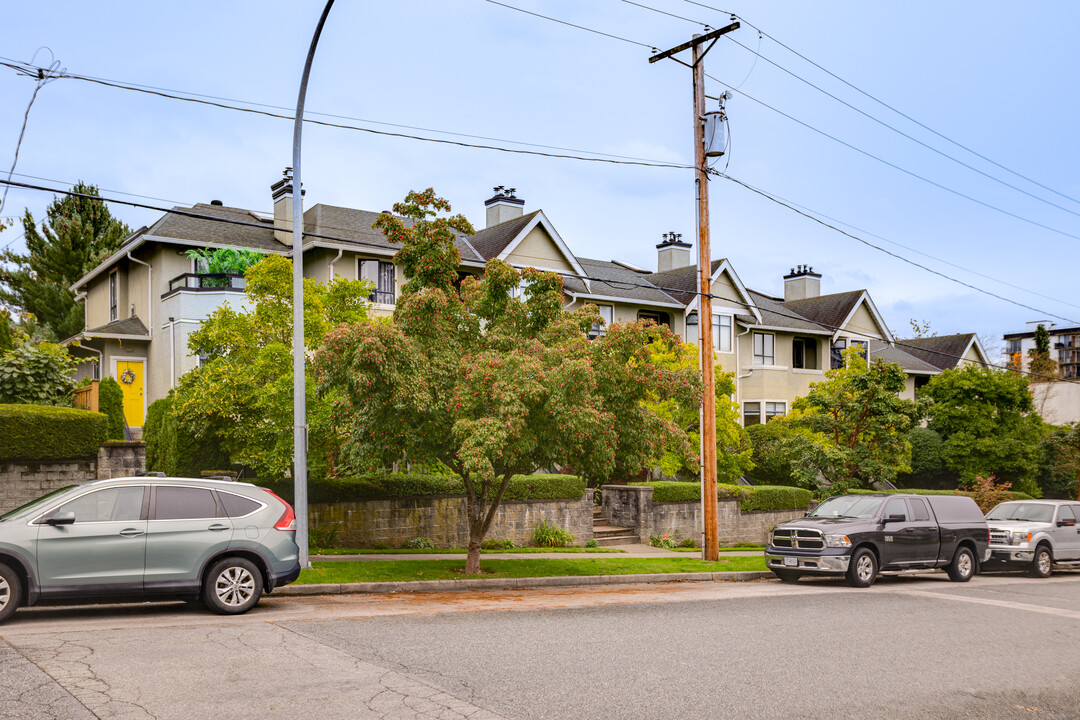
86 397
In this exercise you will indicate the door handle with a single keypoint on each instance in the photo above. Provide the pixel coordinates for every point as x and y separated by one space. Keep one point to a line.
217 527
132 532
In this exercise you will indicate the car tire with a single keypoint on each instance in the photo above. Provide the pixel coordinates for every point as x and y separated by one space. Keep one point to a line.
10 591
962 567
863 568
787 576
1042 564
232 586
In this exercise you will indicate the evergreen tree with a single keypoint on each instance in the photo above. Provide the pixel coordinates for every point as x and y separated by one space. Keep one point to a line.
78 234
1041 365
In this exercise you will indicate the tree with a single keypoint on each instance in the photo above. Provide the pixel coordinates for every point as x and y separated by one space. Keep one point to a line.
491 385
77 236
920 329
7 342
858 424
1059 463
927 465
988 423
1042 367
36 375
733 449
243 393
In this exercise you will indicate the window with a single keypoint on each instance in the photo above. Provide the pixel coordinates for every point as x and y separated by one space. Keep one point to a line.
184 503
660 318
692 329
896 506
751 414
236 506
836 354
804 353
122 504
1012 346
382 275
112 295
918 509
722 333
774 409
1065 513
607 314
862 345
519 291
763 349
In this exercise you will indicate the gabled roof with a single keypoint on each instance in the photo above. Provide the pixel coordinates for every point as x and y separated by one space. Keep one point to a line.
943 351
130 328
198 230
828 311
491 242
778 314
611 280
680 283
348 225
890 353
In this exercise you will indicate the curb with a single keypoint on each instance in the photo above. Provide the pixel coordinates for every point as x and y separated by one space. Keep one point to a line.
515 583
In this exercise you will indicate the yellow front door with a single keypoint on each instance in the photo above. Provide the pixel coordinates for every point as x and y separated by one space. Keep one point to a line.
129 373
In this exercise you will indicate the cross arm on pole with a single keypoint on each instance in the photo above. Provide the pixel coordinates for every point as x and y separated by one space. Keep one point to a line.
696 41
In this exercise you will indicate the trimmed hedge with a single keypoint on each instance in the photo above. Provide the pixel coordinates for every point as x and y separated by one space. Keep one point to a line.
753 497
44 432
1016 494
390 486
111 403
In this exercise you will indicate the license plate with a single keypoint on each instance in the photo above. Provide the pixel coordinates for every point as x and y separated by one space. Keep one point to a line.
791 562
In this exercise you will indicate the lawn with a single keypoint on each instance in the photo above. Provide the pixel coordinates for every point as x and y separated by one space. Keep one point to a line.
456 551
336 571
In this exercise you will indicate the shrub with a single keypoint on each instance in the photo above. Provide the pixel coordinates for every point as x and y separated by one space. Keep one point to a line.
753 497
40 432
323 535
662 541
493 544
36 375
591 544
388 486
111 402
174 450
545 535
1010 495
420 543
688 543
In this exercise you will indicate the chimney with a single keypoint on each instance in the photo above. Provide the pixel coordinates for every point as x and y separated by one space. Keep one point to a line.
282 193
503 206
802 283
673 253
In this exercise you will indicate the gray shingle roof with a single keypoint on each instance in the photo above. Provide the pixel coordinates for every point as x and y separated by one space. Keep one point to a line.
351 225
829 311
608 278
128 326
222 233
943 352
490 242
889 353
680 283
775 313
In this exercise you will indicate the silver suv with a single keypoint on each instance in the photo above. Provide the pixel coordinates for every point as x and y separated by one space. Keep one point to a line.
1036 533
148 537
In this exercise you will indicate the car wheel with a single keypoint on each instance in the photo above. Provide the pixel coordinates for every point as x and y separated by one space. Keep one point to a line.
962 567
10 592
1042 565
788 576
863 568
233 586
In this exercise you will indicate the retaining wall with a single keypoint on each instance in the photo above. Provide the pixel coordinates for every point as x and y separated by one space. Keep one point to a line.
23 481
632 506
444 521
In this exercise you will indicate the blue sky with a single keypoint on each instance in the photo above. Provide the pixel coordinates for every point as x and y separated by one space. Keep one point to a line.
987 75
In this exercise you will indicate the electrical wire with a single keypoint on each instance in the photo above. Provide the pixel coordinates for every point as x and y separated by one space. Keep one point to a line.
43 77
570 24
890 107
617 283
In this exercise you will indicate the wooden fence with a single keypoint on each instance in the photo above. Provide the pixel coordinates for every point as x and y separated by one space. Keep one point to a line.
86 397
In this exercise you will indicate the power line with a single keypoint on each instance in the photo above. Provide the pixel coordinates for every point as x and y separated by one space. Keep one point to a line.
570 24
890 107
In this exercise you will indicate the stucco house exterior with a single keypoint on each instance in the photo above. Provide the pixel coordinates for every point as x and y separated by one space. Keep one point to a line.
1057 402
143 302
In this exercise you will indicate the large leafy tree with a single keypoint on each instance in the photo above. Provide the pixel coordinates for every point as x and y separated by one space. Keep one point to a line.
489 384
1059 466
243 393
988 423
77 235
851 430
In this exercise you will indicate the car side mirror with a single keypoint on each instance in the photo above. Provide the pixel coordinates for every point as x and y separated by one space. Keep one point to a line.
894 518
64 518
1066 523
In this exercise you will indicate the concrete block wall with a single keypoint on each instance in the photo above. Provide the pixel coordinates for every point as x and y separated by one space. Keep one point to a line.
21 482
632 506
121 458
444 520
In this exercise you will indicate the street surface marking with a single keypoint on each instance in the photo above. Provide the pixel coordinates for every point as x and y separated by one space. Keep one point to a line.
1060 612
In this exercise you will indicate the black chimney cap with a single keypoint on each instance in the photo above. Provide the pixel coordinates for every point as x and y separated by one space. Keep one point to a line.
217 203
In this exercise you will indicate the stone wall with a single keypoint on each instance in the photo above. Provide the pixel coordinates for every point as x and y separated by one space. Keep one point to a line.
632 506
23 481
443 520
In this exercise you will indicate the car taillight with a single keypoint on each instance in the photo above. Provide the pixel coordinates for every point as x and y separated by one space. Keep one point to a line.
287 521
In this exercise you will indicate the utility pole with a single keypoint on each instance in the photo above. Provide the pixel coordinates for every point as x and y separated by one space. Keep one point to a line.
711 549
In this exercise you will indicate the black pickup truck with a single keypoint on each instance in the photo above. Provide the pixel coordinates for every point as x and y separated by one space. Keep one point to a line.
859 535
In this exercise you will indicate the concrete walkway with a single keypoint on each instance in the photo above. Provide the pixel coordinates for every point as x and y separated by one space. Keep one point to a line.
636 550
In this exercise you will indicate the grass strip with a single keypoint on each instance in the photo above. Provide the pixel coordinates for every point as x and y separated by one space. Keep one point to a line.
456 551
406 570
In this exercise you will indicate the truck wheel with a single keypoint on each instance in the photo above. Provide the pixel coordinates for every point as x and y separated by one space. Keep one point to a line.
10 592
962 568
788 576
863 568
1042 565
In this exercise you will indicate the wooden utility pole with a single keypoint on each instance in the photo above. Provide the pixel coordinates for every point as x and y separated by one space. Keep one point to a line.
711 550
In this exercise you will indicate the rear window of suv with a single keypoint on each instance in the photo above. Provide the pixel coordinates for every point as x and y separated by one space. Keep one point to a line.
236 506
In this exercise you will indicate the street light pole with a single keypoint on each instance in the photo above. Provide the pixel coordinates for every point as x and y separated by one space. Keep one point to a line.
300 428
709 505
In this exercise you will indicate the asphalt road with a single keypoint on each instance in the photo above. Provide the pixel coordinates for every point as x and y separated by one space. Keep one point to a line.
911 647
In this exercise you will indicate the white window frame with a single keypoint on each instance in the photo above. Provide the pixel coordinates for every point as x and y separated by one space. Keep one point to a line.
761 417
607 314
380 293
762 358
722 334
771 412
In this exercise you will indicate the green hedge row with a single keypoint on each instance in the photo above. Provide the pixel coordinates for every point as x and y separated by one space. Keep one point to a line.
753 497
1016 494
44 432
390 486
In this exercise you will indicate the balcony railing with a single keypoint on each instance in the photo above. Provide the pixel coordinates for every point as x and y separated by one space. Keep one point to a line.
202 282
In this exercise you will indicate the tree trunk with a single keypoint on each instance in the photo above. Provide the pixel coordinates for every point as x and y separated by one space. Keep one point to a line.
472 560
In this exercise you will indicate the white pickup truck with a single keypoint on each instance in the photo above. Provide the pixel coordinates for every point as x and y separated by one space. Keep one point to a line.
1038 534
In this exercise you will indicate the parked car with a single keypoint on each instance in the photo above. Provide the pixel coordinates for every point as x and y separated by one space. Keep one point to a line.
1036 534
858 536
148 537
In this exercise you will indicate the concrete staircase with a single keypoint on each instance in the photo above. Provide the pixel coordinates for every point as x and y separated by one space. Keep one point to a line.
606 535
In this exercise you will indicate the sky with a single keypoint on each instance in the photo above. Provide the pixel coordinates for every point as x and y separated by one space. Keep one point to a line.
988 76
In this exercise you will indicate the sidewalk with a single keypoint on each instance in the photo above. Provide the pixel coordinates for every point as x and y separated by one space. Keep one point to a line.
637 550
